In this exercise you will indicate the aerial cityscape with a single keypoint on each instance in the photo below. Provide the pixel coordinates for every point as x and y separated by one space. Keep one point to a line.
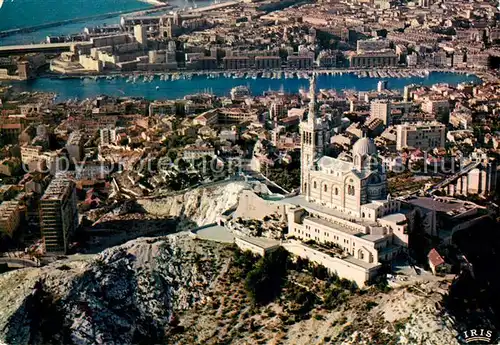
249 172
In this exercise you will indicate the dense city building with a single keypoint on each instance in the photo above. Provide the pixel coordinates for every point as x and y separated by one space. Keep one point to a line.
373 59
424 136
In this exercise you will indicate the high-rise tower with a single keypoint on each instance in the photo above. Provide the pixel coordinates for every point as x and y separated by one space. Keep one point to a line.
58 214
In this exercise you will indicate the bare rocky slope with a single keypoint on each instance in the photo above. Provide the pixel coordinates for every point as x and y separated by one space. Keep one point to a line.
138 292
406 315
178 290
160 216
199 206
127 294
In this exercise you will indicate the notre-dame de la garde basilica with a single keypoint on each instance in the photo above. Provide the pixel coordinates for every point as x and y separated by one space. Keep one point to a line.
344 201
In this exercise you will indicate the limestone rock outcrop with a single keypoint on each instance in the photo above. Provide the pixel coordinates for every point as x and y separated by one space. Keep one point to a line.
127 294
199 206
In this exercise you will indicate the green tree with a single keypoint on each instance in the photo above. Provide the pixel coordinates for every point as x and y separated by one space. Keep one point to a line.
334 297
265 281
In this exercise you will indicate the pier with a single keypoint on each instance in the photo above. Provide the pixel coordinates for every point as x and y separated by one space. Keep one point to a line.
80 19
38 48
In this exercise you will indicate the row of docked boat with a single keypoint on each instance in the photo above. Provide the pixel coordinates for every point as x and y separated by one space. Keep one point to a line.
250 75
149 77
392 74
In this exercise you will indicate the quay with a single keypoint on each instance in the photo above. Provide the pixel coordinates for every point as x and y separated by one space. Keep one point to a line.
80 19
38 48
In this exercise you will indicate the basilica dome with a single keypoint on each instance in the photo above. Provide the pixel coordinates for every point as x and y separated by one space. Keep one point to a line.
364 147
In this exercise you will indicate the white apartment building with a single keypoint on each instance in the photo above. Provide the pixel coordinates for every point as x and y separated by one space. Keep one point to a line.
190 153
108 136
422 135
74 146
141 34
381 109
436 106
30 153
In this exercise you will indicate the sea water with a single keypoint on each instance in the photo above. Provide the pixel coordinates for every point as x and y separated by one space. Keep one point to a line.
25 13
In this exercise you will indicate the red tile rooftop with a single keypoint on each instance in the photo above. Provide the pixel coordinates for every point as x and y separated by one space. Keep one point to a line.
435 258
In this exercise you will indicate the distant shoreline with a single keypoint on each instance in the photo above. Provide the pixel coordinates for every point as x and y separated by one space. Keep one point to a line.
155 2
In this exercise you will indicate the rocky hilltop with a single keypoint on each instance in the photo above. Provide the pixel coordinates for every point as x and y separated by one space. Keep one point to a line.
178 290
127 294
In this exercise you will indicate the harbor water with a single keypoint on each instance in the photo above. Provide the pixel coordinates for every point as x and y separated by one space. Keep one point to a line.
156 87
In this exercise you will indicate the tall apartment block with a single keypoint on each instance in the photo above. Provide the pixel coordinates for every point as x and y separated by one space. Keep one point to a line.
58 214
74 146
381 110
108 136
10 217
24 70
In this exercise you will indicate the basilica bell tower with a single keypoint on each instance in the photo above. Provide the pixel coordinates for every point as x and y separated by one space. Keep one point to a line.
313 139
